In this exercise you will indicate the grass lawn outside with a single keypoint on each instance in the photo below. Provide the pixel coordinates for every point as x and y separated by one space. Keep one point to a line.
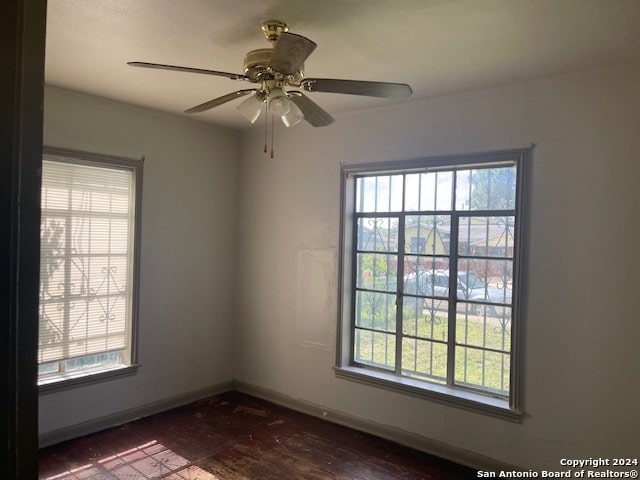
482 344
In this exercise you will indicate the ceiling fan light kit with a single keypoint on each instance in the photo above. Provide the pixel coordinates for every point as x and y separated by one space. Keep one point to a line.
251 107
293 117
279 103
279 71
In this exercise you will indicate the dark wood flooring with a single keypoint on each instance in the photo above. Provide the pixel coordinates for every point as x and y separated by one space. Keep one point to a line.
234 436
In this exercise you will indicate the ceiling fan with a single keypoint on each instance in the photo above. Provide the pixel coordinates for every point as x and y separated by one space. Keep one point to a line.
279 71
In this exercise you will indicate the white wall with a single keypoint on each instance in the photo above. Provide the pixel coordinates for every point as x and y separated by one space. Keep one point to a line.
187 251
581 384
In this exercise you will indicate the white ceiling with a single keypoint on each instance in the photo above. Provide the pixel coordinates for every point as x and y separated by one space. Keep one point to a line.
439 47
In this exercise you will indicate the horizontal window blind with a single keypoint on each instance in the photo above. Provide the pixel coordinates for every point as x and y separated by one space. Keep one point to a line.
86 259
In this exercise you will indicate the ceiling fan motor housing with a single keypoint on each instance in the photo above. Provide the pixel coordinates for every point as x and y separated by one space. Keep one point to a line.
256 67
255 63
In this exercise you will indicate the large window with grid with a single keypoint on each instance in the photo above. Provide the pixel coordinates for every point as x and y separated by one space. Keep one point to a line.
88 267
430 263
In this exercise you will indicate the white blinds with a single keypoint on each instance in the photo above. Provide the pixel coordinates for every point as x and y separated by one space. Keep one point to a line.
86 259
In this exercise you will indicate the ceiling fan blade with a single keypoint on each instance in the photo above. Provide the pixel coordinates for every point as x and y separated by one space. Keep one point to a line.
220 100
357 87
232 76
313 114
290 52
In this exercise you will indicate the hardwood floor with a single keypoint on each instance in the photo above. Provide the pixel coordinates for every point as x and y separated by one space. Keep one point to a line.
234 436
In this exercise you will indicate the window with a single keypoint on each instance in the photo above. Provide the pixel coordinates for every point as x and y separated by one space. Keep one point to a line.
429 280
88 267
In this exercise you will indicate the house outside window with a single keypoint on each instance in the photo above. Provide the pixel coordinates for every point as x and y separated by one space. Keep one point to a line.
430 278
90 212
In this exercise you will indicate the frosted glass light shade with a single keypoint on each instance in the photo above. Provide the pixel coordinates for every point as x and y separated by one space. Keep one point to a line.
251 108
279 103
294 116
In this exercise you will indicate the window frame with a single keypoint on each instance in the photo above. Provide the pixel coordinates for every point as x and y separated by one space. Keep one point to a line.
345 367
90 375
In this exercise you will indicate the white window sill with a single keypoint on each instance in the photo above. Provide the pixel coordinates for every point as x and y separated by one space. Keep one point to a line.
495 406
82 377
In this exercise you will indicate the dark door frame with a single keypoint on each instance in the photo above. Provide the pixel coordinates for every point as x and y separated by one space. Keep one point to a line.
22 53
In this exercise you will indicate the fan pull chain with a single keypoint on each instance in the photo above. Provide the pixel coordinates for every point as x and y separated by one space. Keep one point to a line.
266 121
271 135
266 129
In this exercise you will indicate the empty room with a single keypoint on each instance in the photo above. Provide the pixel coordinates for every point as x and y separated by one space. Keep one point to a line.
291 239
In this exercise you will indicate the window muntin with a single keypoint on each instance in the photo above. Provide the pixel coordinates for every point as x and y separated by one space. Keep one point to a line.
89 212
453 226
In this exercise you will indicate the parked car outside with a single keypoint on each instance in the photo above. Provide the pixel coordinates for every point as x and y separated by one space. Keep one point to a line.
470 288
